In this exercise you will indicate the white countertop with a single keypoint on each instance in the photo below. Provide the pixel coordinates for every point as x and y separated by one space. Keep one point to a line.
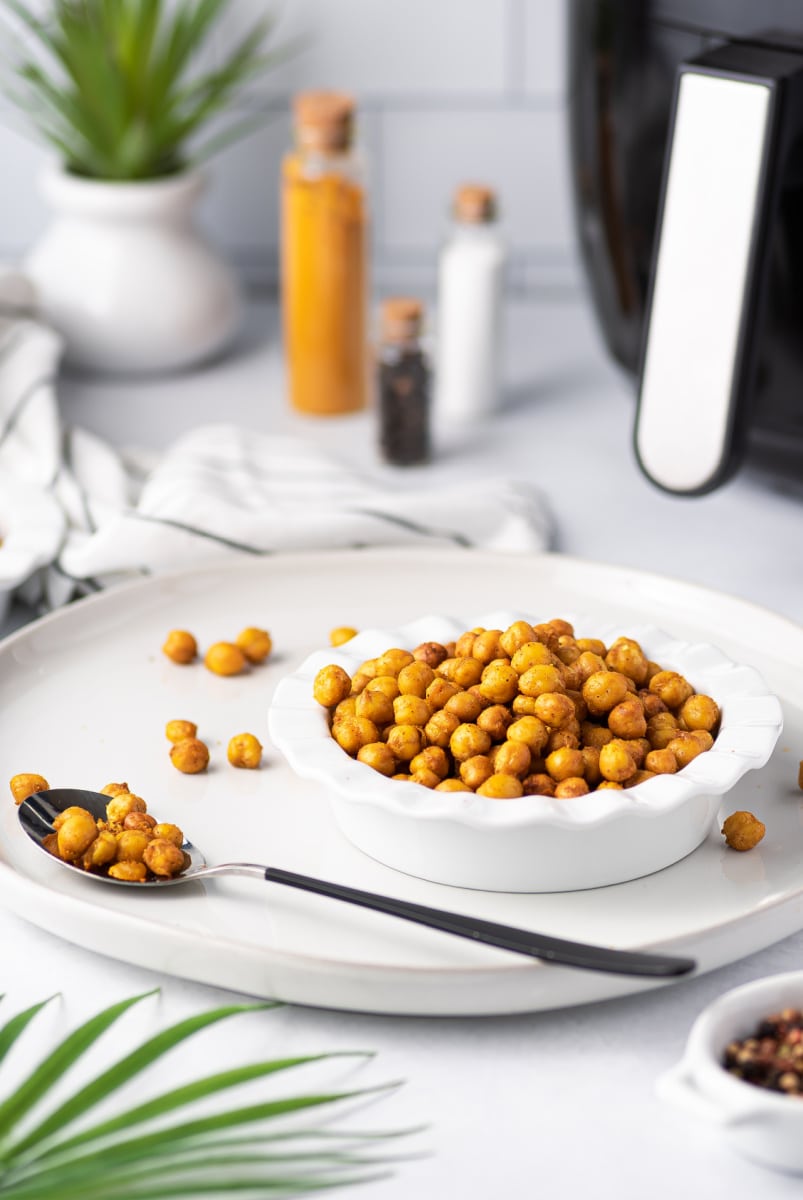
557 1103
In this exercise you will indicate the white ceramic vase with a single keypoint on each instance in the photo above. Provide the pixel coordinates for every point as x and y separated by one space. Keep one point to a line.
127 279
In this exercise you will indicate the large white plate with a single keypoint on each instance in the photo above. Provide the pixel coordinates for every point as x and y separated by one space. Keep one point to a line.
85 694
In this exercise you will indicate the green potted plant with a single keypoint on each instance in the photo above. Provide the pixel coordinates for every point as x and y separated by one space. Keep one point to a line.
114 88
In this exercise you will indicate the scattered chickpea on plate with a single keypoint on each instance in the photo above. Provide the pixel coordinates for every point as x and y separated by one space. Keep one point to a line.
180 646
188 754
245 750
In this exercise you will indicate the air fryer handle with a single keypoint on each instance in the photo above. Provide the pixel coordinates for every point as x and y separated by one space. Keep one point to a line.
737 113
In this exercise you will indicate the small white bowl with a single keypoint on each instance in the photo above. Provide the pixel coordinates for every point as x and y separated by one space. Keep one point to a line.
762 1125
32 525
533 843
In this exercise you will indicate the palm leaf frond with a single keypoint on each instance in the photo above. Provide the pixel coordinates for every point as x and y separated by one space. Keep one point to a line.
16 1026
162 1147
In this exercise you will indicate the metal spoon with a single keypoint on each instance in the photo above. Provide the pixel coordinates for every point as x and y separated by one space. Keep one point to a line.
38 812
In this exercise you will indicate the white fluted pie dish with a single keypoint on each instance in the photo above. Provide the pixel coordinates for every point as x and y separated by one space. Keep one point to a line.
531 843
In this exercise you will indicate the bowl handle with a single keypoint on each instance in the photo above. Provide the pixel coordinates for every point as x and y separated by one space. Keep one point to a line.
677 1086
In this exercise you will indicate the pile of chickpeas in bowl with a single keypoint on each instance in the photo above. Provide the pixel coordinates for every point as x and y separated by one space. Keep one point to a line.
528 710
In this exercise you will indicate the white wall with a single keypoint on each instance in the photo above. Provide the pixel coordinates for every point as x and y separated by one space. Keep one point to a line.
448 90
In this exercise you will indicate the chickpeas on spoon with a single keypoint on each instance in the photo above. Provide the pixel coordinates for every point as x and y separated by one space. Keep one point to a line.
40 810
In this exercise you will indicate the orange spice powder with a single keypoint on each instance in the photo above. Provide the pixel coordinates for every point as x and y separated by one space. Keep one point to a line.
324 301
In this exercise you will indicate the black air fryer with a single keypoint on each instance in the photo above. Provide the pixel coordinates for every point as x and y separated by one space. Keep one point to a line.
687 143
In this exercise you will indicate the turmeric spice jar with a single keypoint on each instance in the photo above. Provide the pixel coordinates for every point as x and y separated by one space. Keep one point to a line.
324 259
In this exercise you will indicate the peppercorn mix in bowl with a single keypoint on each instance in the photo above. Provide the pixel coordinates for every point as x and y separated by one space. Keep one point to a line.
519 761
742 1070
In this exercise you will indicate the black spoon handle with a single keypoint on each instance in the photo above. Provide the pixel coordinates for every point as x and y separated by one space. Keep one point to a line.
521 941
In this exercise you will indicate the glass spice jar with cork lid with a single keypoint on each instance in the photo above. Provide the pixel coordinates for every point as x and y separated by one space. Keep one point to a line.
404 383
324 259
470 281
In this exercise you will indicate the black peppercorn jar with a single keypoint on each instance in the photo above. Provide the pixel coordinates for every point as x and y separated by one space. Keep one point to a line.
404 384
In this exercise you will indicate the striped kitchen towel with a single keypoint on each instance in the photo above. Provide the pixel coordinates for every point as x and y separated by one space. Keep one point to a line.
221 490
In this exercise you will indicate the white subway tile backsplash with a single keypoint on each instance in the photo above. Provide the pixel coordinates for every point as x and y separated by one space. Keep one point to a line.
240 210
381 47
545 28
23 212
521 153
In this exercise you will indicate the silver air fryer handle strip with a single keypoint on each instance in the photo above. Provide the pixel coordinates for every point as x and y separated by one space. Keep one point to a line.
721 187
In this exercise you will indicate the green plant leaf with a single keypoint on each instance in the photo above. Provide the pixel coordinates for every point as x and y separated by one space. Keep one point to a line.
13 1028
58 1062
200 1127
135 1155
107 82
126 1069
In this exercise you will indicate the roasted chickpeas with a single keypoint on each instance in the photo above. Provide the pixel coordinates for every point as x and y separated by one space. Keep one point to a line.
573 785
25 785
176 731
528 710
615 762
128 844
76 835
431 653
743 831
700 712
374 705
468 739
379 756
501 787
409 710
475 770
124 803
180 646
499 682
603 690
256 644
114 789
168 832
406 741
163 858
225 658
431 758
341 634
190 756
332 684
244 750
671 687
393 660
512 758
354 732
414 679
129 872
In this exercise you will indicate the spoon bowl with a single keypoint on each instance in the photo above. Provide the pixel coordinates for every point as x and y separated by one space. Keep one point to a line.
38 812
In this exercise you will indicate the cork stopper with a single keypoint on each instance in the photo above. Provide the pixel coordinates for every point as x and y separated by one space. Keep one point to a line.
401 318
324 121
474 203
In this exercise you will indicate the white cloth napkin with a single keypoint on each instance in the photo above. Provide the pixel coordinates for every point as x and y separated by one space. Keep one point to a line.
218 491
